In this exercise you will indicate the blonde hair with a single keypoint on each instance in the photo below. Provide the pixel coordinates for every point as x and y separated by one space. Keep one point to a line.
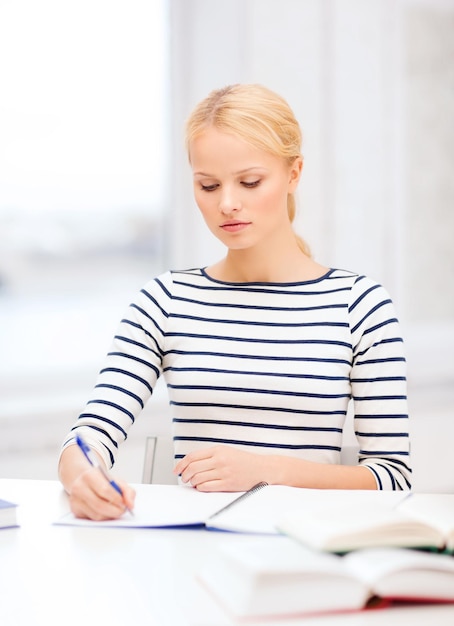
256 115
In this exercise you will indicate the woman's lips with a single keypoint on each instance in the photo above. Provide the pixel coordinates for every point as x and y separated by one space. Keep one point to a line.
233 227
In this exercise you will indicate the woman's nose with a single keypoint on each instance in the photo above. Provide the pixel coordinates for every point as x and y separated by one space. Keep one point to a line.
229 202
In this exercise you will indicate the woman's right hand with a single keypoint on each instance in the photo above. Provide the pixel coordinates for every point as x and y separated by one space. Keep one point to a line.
91 496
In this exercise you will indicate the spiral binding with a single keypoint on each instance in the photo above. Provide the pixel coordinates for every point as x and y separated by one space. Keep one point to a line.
244 495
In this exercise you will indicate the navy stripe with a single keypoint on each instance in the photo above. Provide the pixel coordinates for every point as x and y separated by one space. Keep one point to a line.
370 313
353 306
136 359
248 288
256 408
257 425
257 288
324 342
153 300
384 453
395 463
280 392
164 289
114 405
111 456
146 333
217 320
121 390
370 398
257 444
380 484
257 357
98 429
256 307
403 466
382 416
372 329
382 342
372 434
391 359
133 342
378 379
386 468
130 375
253 373
146 315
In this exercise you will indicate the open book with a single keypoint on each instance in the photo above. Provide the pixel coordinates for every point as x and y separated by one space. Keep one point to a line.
419 521
266 577
253 511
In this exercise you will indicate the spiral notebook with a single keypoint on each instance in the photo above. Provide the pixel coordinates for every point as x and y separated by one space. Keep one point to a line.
176 506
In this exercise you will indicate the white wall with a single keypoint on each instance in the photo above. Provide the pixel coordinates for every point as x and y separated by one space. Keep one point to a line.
371 83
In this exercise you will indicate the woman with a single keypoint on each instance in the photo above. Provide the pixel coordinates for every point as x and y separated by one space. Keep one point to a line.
262 351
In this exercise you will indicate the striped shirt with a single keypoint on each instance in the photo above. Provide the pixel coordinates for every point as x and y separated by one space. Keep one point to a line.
266 367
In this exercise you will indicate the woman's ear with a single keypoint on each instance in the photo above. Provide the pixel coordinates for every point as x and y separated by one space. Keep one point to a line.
295 173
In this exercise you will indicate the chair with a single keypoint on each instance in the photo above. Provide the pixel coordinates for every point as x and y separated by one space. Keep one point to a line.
158 463
349 454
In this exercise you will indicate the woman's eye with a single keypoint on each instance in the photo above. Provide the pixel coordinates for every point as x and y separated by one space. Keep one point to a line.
254 183
209 187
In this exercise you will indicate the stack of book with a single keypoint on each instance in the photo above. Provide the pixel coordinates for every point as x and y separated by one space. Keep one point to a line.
8 517
276 577
333 558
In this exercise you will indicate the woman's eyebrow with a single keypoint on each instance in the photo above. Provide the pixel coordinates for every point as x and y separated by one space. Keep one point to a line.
252 168
238 173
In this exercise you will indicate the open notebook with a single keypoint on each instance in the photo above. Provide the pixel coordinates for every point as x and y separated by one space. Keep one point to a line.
254 511
170 506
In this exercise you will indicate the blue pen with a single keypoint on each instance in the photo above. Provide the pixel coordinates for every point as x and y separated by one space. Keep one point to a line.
93 460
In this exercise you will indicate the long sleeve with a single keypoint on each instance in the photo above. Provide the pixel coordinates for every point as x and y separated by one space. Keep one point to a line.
129 373
378 381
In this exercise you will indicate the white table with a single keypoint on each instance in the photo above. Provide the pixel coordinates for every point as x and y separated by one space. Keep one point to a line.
129 577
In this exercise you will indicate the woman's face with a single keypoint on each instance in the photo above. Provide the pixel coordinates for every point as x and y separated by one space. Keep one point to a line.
241 190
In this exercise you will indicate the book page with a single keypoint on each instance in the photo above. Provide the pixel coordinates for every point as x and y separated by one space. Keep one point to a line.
399 573
361 527
274 576
434 509
261 512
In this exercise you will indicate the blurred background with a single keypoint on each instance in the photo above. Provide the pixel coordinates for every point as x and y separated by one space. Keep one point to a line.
95 192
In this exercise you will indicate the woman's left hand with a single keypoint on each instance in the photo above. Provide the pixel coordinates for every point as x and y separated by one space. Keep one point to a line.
222 468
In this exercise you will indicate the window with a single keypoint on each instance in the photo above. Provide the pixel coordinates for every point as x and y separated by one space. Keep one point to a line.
82 181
